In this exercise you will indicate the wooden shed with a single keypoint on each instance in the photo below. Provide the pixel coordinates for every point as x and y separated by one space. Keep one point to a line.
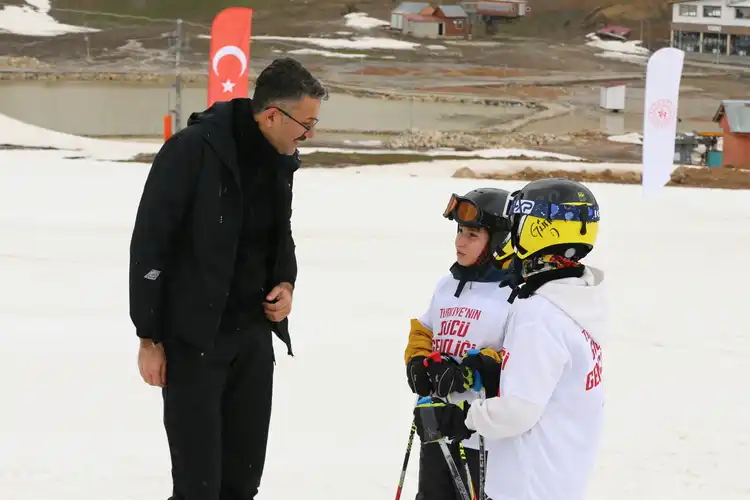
733 116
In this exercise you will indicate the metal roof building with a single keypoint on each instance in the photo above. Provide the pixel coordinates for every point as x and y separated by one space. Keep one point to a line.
737 113
453 11
410 7
406 9
733 116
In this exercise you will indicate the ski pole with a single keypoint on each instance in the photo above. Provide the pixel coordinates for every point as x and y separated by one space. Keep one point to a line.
478 386
467 471
481 468
455 473
406 459
429 420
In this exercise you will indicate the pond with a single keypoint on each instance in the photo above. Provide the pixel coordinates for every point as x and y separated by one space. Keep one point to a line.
126 109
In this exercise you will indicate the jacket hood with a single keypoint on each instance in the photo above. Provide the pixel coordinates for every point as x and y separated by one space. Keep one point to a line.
229 125
217 114
215 124
583 299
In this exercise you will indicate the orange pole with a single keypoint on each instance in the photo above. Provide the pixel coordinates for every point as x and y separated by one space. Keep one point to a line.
167 127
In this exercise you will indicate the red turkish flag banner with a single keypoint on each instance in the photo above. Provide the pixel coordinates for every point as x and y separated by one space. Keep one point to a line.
229 57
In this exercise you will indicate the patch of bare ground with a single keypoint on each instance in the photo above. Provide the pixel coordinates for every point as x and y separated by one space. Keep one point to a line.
505 91
716 178
384 71
599 152
341 160
448 72
491 72
593 145
16 147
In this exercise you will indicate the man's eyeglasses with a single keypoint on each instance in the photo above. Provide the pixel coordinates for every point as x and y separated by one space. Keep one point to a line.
306 126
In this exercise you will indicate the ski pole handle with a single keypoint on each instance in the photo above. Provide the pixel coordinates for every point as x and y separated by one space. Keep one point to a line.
477 387
477 381
435 356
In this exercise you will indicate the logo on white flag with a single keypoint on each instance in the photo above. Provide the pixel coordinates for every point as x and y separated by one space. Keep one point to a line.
661 112
660 104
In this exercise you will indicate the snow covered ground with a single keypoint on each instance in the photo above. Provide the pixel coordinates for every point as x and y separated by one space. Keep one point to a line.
347 40
325 53
628 51
34 19
361 21
629 138
349 43
77 423
17 133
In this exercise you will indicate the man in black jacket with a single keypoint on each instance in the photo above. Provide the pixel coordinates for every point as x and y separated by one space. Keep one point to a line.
212 272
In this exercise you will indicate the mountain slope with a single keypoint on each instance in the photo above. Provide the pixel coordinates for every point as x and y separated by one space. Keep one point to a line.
549 17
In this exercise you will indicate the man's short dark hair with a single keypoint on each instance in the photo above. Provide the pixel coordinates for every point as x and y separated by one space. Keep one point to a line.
285 79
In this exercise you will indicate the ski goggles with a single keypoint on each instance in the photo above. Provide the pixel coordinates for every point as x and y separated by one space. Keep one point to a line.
582 212
467 213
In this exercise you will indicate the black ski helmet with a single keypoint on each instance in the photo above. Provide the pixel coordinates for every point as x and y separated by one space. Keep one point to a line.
485 208
554 217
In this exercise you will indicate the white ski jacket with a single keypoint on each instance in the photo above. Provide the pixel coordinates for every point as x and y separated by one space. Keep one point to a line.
543 429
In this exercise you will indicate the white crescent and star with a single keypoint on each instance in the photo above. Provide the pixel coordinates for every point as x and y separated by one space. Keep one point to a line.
228 86
229 50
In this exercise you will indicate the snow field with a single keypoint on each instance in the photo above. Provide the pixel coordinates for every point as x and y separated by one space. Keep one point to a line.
78 423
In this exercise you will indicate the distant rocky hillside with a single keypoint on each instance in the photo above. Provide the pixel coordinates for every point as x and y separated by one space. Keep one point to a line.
561 17
549 17
268 15
131 28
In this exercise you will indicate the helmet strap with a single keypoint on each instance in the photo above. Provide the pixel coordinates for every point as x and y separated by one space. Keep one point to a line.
543 263
539 270
533 283
485 256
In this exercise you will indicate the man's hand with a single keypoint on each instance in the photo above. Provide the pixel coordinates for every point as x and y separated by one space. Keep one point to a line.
278 303
152 363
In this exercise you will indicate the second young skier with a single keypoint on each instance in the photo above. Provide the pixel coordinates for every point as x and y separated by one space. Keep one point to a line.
467 312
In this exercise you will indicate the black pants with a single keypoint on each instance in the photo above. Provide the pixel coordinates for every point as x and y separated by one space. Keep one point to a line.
217 409
435 479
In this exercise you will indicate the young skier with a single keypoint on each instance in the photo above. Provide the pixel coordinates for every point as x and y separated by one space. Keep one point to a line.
467 312
544 425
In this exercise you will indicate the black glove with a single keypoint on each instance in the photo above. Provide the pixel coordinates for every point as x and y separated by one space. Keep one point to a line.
416 374
446 375
487 368
435 419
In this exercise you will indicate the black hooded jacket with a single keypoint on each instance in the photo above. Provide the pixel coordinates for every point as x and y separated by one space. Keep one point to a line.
212 233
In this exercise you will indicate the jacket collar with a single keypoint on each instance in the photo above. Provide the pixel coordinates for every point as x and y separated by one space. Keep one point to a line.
219 130
251 143
483 273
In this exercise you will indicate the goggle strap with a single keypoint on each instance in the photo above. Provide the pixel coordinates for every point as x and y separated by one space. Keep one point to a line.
584 217
579 213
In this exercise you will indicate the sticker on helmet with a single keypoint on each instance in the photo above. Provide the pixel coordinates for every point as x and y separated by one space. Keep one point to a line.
523 207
